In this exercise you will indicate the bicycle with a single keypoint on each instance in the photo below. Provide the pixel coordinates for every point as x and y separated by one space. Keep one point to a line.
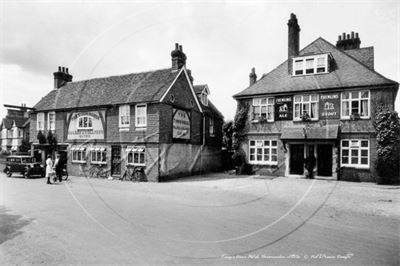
98 171
62 175
128 175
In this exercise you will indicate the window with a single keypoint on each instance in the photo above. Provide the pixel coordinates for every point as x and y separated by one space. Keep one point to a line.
85 122
263 151
78 154
355 103
20 133
136 155
98 155
124 116
355 153
51 121
211 128
141 115
204 98
263 109
306 105
310 65
40 121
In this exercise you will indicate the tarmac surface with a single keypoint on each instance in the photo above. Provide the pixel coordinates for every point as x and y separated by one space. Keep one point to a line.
214 219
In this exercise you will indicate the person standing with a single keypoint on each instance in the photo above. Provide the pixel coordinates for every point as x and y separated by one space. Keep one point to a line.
49 168
309 164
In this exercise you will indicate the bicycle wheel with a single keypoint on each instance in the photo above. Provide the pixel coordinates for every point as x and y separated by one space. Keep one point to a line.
64 176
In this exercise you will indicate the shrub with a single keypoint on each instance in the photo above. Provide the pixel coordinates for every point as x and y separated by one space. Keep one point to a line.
387 128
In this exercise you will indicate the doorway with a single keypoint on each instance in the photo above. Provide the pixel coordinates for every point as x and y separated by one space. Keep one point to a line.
296 159
324 159
116 160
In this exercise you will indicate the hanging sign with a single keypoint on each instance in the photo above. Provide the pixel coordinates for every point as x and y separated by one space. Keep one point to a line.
329 106
180 124
284 108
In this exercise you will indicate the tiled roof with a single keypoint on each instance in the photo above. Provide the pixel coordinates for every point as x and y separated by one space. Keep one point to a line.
211 109
364 55
348 72
8 122
130 88
199 88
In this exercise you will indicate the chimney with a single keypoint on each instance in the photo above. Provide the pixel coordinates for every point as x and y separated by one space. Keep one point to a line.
293 40
253 76
178 57
61 77
351 41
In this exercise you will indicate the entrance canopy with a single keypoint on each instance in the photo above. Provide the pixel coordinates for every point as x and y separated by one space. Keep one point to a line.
315 132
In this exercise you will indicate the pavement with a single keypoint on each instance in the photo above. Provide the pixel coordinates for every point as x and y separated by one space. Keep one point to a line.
216 219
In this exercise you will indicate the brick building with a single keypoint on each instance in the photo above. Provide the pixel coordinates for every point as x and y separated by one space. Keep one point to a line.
320 101
14 128
152 119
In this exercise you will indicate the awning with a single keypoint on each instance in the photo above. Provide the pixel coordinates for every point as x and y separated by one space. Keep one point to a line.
315 132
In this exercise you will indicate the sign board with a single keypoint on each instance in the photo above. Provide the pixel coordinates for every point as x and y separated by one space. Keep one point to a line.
284 108
180 124
85 125
329 106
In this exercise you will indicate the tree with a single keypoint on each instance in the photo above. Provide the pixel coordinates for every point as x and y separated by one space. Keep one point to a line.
238 136
227 138
387 126
25 146
41 138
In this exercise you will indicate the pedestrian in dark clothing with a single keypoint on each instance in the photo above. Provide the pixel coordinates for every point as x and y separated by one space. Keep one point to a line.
309 164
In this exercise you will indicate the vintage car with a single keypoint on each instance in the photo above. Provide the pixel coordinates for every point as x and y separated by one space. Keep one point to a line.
25 165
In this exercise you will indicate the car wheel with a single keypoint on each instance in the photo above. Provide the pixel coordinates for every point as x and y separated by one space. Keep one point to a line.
8 173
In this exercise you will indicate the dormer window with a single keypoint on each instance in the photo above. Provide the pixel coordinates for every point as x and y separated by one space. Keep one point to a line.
204 98
309 65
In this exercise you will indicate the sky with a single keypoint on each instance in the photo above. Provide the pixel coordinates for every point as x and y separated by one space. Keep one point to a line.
222 40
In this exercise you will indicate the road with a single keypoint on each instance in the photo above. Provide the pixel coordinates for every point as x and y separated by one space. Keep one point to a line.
215 219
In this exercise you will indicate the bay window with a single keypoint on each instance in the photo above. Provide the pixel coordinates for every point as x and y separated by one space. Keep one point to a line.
355 153
98 155
263 109
136 155
306 105
355 104
78 154
263 152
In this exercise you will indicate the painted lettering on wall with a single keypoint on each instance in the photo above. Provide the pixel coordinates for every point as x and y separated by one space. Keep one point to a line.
283 108
329 106
85 125
180 124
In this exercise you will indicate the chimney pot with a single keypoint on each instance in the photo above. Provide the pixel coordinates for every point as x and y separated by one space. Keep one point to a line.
356 35
59 69
253 76
344 36
180 48
348 36
340 37
66 70
352 35
176 46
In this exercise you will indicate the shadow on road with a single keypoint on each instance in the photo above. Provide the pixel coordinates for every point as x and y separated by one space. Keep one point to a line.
11 225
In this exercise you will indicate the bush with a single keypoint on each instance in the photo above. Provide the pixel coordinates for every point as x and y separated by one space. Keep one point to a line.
387 126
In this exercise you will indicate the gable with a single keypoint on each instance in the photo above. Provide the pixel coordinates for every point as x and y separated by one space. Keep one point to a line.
181 94
347 72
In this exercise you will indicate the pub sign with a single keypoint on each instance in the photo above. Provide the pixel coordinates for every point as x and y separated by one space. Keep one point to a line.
329 106
85 125
180 124
284 108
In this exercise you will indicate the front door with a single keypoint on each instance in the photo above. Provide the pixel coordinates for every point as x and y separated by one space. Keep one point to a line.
296 159
324 160
116 160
